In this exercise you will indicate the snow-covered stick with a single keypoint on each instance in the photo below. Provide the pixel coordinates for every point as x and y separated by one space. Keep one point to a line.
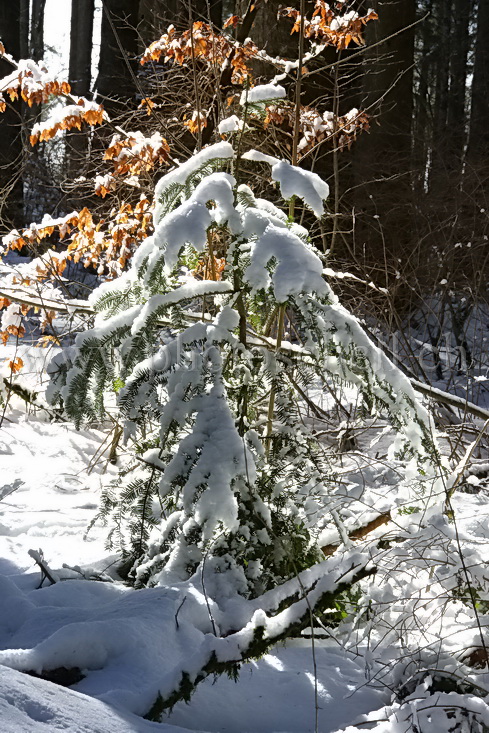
34 300
458 473
46 572
446 398
360 532
89 573
72 307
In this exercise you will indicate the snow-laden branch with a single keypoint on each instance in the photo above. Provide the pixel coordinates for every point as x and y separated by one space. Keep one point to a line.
438 395
71 307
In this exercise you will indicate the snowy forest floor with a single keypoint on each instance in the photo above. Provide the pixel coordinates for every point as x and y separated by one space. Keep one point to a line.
124 642
50 509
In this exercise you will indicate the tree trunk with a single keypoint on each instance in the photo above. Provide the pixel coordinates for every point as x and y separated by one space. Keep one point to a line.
79 76
388 81
382 159
36 46
456 117
476 174
117 72
422 114
39 195
478 147
439 169
81 46
24 28
11 155
280 42
150 27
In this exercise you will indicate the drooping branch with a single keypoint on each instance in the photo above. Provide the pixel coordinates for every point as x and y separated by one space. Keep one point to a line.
446 398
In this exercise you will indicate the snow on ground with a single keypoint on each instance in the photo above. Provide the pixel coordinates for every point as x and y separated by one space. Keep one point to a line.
48 497
125 640
126 643
30 705
276 693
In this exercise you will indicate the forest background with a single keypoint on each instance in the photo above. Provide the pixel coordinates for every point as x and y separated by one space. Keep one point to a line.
409 204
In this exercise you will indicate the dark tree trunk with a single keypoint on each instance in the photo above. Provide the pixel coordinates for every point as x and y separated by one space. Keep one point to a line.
274 35
476 175
37 30
118 67
11 156
216 10
81 46
388 79
24 28
439 167
150 27
478 147
40 196
456 113
79 76
422 113
383 158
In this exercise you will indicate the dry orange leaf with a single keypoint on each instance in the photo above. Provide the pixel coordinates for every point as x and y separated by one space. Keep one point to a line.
233 20
341 35
148 103
16 365
197 122
44 341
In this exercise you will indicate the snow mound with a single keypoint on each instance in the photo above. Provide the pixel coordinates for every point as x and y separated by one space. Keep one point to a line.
30 705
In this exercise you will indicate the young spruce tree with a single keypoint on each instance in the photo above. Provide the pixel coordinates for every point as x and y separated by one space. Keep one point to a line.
209 383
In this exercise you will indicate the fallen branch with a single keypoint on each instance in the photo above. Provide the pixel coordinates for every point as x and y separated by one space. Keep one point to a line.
8 489
30 398
72 307
22 297
226 654
88 573
437 395
361 532
446 398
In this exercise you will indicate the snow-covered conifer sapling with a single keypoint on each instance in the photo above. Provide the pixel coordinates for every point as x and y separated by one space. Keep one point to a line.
229 483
